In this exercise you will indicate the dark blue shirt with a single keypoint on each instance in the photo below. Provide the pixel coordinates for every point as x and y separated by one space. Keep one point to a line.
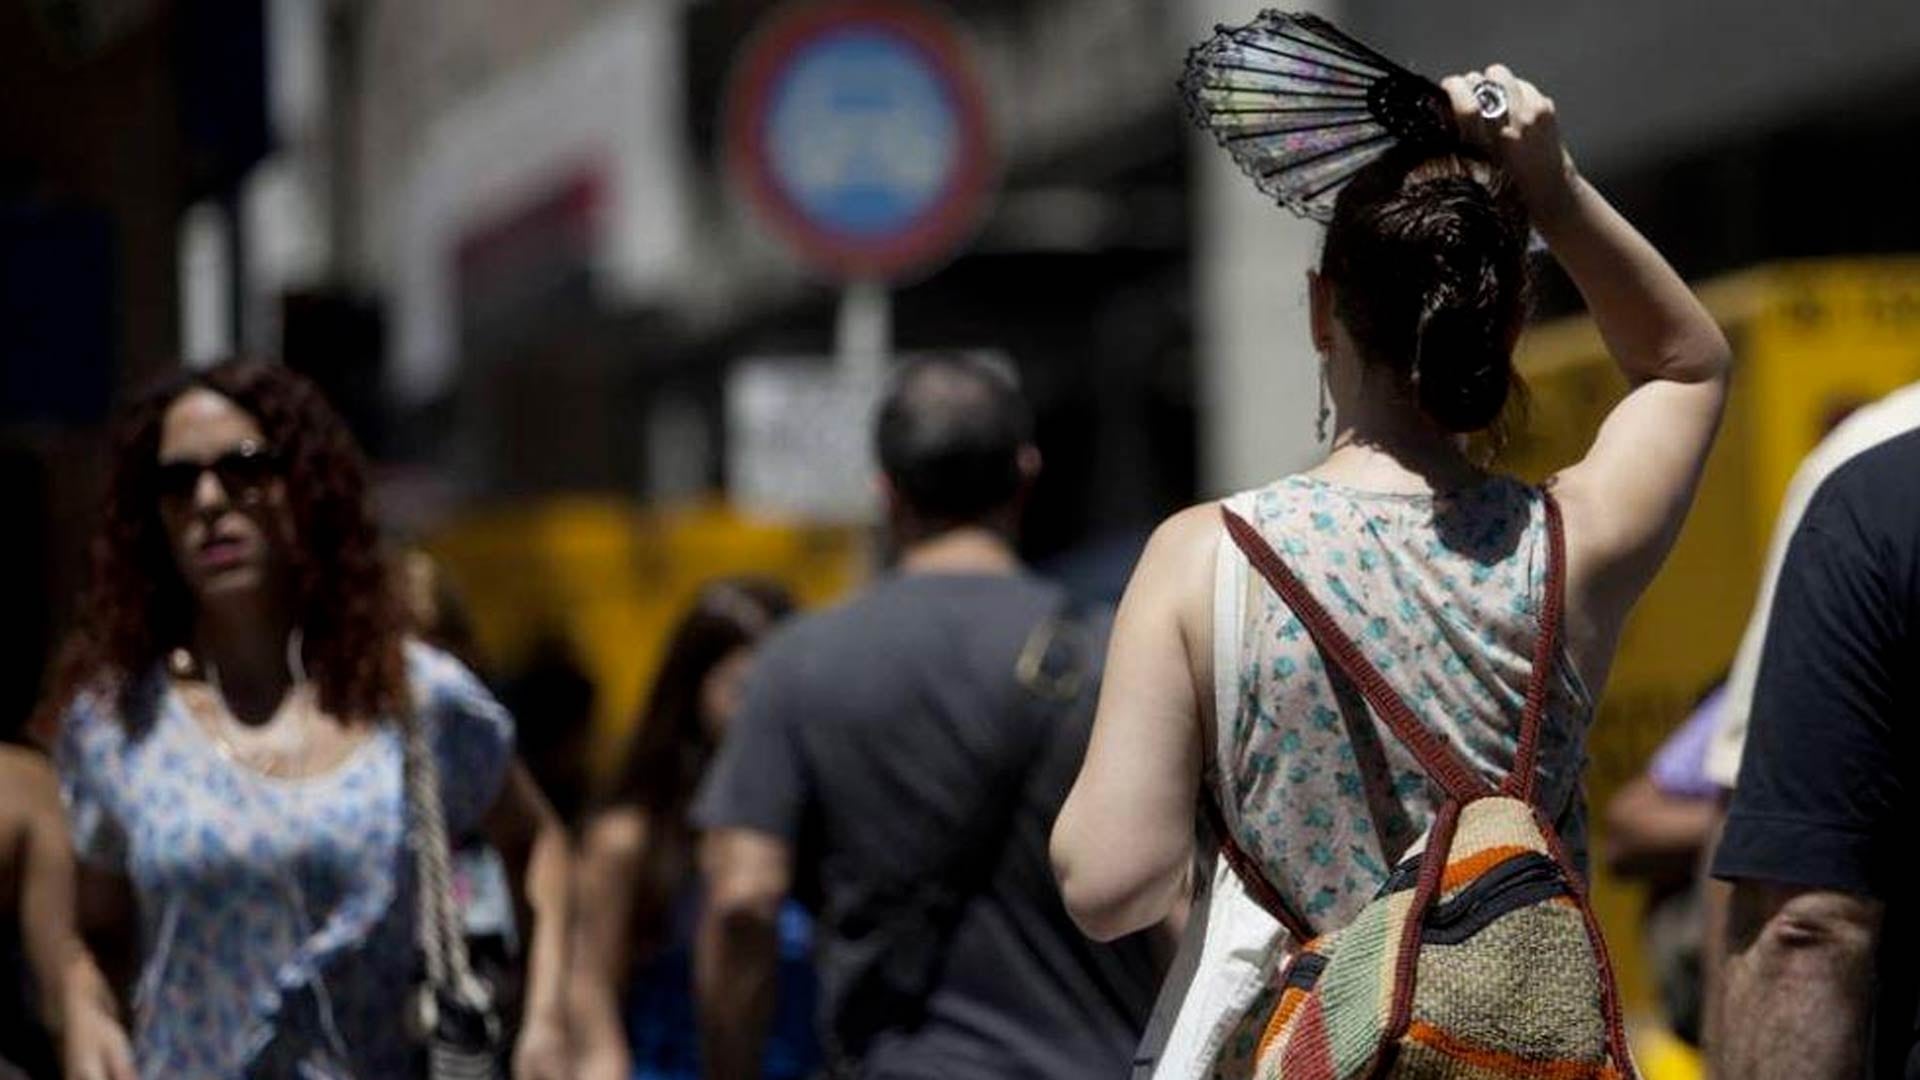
662 1030
1826 797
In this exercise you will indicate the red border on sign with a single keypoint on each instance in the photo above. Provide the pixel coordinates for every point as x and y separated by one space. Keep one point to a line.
940 230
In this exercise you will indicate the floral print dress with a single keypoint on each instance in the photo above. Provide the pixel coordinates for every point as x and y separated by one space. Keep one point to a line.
277 930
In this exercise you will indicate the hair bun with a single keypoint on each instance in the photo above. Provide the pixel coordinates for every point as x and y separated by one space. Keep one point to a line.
1462 376
1428 259
1463 353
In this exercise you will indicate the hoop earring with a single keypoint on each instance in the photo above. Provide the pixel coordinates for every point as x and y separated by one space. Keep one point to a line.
1326 411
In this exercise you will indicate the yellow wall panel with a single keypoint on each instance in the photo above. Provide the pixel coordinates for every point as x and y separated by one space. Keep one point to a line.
1811 340
613 579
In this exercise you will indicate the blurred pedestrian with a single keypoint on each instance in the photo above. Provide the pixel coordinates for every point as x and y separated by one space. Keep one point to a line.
437 611
639 884
551 694
239 708
898 761
1659 827
1216 690
38 933
1821 935
1858 431
1863 429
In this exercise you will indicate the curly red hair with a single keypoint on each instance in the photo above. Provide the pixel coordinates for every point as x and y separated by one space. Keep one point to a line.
138 608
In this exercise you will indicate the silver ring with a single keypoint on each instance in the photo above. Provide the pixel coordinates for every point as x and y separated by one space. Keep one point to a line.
1491 97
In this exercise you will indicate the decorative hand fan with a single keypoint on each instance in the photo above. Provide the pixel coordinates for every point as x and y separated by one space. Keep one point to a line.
1302 107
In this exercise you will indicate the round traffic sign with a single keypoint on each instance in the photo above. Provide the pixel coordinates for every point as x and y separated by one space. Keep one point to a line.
858 127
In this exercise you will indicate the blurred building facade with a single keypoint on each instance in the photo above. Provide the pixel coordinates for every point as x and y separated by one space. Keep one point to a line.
569 274
501 232
541 201
502 236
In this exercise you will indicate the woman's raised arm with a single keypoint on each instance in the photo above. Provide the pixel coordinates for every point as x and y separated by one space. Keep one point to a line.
1626 499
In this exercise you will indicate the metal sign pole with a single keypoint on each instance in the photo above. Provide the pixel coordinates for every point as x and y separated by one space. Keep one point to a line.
863 349
860 131
863 337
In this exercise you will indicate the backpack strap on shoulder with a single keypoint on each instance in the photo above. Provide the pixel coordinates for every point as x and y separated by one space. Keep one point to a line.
1521 781
1442 763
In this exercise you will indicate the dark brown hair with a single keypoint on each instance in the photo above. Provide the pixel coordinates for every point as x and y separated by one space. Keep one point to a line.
948 434
1427 259
137 607
671 746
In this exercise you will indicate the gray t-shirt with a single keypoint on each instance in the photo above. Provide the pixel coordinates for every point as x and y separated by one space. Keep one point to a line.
889 742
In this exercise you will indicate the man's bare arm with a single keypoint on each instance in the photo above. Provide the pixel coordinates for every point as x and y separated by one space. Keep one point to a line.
737 949
1798 985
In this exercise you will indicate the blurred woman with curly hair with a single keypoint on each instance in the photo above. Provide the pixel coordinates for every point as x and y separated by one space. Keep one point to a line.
233 713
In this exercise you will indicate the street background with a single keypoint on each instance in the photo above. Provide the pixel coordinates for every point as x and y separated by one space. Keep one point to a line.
520 245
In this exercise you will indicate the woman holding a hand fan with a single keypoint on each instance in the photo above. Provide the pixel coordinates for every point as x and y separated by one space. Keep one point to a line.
1426 586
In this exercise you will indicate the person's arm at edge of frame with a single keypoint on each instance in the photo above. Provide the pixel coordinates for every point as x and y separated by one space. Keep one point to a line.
523 827
1716 897
611 855
737 948
1821 811
78 1000
1799 979
1656 837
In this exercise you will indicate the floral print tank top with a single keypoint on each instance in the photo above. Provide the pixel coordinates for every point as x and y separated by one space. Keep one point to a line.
1441 593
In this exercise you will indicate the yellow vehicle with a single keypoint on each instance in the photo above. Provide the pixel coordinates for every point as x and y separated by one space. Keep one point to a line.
1812 340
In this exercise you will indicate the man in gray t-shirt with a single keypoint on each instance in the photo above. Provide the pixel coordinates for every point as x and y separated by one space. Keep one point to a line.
890 767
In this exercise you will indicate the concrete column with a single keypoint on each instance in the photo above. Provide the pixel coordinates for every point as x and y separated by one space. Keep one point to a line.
282 218
1259 377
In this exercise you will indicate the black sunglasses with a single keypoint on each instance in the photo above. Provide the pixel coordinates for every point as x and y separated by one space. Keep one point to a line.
243 470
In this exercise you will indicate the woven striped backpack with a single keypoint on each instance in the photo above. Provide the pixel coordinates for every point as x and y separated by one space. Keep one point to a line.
1480 958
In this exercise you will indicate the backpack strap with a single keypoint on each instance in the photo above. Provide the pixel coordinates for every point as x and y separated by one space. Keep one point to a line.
1252 878
1441 762
906 928
1521 781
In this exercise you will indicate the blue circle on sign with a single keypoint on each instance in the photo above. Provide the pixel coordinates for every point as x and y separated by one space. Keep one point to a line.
863 135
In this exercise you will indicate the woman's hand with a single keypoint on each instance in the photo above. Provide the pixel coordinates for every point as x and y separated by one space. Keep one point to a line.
613 849
1525 142
542 1051
532 843
1625 501
95 1046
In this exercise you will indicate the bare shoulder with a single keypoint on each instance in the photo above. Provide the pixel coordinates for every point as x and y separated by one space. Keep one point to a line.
18 761
1199 522
26 777
29 800
1174 581
1185 543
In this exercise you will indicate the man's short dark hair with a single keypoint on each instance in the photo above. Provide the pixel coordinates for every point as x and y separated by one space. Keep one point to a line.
949 434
